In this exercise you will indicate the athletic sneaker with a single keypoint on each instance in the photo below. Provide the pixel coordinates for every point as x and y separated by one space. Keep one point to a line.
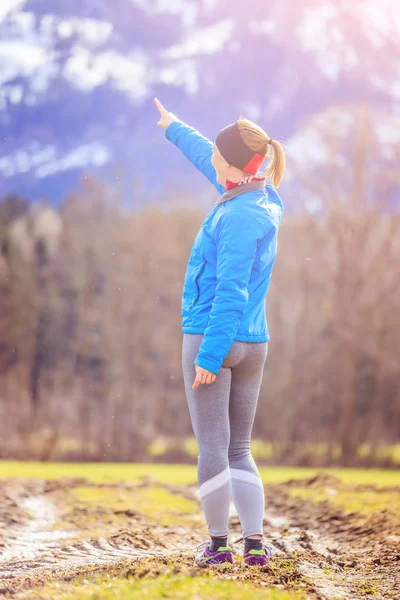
259 557
206 557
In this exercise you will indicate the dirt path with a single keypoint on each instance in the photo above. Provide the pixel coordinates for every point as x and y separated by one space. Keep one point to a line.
320 549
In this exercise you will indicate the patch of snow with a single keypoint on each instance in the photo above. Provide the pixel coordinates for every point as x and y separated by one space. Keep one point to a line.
182 74
266 27
8 6
25 160
94 154
208 40
21 24
131 74
306 149
320 35
43 160
20 58
187 10
10 93
210 4
380 20
91 31
388 137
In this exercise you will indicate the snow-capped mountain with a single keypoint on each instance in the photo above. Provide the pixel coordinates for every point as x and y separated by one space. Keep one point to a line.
78 78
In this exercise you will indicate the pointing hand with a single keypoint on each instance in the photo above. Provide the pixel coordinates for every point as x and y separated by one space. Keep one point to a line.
166 118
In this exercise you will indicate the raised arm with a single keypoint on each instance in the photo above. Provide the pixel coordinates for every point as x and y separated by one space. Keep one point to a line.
196 147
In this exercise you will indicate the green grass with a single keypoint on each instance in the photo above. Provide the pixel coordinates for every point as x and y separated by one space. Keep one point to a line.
172 586
100 472
368 587
349 500
180 474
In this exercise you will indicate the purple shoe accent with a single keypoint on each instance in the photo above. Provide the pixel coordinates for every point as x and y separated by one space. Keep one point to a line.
259 557
206 557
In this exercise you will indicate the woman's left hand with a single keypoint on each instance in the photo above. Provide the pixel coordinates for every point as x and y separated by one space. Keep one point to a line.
203 376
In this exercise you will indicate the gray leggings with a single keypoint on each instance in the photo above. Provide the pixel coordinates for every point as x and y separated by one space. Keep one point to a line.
222 415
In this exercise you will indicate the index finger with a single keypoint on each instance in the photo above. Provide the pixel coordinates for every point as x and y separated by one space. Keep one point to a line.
197 382
160 107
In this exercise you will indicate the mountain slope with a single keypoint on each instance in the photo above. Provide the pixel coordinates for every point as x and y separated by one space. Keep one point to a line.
77 79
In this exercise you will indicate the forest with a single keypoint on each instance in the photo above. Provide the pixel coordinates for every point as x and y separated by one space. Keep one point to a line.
90 334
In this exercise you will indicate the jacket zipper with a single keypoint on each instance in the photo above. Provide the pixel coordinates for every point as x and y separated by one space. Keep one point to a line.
198 290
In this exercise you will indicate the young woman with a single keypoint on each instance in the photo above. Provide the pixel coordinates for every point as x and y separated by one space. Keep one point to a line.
225 333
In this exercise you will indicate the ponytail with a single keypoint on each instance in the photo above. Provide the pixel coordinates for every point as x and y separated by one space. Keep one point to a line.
277 165
257 140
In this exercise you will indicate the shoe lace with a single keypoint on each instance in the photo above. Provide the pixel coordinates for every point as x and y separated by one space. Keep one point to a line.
202 545
270 550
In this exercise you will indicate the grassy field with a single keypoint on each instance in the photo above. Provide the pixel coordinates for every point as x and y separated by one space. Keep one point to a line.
185 450
171 586
181 474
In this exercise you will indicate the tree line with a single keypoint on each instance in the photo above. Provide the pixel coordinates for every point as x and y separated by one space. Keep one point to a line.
90 332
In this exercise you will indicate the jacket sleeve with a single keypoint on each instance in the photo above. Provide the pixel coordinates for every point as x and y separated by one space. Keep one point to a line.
236 242
196 147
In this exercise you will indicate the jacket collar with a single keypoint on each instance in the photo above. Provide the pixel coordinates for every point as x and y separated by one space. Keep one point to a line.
241 189
229 185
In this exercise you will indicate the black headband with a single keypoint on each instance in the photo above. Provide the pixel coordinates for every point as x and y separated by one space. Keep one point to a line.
236 153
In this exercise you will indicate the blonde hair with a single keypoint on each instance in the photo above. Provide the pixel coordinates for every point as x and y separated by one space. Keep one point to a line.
257 140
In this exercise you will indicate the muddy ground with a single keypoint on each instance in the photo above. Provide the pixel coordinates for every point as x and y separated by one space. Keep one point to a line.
322 548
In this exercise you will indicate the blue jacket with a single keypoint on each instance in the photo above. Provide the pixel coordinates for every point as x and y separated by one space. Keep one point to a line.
231 260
